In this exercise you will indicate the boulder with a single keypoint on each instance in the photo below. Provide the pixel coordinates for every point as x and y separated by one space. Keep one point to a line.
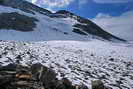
97 84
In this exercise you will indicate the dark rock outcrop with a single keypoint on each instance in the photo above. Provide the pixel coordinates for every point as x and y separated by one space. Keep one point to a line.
17 21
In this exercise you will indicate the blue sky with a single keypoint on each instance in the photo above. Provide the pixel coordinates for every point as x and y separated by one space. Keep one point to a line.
88 8
115 16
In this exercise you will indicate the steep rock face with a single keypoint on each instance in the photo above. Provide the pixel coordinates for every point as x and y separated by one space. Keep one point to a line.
23 16
17 21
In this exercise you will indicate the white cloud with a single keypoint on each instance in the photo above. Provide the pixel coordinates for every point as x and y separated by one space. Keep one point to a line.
112 1
81 2
33 1
52 3
121 26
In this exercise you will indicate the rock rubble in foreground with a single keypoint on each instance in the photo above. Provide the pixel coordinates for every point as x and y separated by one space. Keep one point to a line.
114 70
37 76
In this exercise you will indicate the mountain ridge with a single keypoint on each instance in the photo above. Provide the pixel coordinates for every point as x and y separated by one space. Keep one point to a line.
77 25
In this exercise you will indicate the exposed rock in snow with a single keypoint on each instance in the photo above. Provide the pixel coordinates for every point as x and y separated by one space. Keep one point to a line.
17 21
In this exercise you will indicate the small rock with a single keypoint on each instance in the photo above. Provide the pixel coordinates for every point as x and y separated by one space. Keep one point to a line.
92 54
67 83
98 84
111 59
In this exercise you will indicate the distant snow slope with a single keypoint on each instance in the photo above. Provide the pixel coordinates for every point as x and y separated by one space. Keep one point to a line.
79 61
47 28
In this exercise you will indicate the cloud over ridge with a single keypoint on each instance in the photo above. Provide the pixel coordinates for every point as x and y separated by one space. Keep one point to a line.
52 3
121 26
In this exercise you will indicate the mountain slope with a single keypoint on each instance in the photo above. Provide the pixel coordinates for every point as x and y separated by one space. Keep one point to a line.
23 21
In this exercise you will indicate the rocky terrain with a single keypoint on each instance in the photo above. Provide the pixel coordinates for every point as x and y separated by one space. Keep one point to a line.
80 64
36 76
